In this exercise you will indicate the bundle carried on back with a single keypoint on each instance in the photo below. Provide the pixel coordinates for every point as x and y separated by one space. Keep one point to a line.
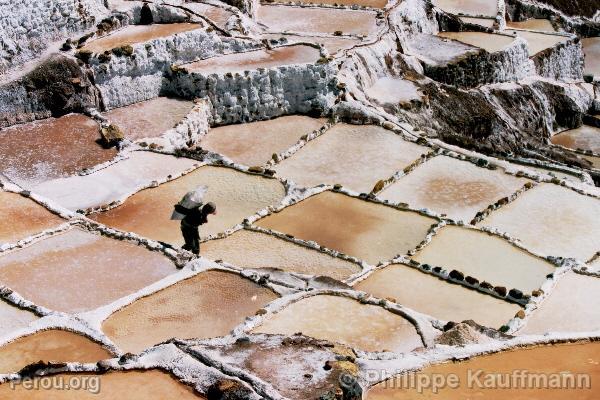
191 200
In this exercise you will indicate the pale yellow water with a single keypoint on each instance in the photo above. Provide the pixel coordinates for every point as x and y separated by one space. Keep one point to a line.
254 143
251 60
236 194
431 295
469 7
537 361
22 217
78 271
134 34
207 305
369 231
533 24
488 41
552 220
356 156
131 385
13 318
344 320
573 306
585 138
537 42
485 257
251 249
52 345
591 48
456 188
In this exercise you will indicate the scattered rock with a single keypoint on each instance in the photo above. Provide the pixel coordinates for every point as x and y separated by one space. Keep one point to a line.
111 136
500 290
457 275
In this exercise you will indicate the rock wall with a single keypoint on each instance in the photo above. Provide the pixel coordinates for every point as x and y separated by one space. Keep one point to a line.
561 62
27 26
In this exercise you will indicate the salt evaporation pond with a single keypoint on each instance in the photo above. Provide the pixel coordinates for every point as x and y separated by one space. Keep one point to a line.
485 257
469 7
27 218
249 60
237 195
369 231
572 306
249 249
13 318
534 24
77 271
331 44
356 156
114 182
448 186
552 220
51 345
372 328
217 15
490 42
584 138
591 49
485 22
132 385
537 42
549 360
431 295
134 34
364 3
389 90
254 143
316 20
207 305
63 146
151 118
438 50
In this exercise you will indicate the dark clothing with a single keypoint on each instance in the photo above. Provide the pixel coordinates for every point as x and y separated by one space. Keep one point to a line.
194 217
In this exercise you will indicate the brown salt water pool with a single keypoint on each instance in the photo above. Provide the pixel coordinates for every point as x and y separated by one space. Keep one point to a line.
591 48
372 328
254 143
251 249
133 34
584 138
250 60
356 156
131 385
485 257
236 194
364 3
431 295
469 7
533 24
13 318
485 22
77 271
537 42
50 345
149 118
218 15
456 188
63 146
26 218
332 44
363 229
490 42
207 305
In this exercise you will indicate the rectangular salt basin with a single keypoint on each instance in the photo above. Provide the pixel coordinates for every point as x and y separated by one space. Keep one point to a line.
22 217
356 156
113 182
364 3
13 318
331 44
500 370
78 271
389 90
209 304
369 231
237 195
254 143
591 49
490 42
149 118
431 295
485 22
249 249
537 42
251 60
134 34
533 24
584 138
448 186
469 7
317 20
217 15
485 257
552 220
437 50
372 328
572 306
63 146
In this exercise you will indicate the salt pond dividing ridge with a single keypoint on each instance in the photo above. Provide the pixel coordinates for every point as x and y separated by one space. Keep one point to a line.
403 187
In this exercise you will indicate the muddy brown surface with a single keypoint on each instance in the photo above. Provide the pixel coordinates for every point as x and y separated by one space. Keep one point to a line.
369 231
207 305
584 138
52 345
533 24
51 148
78 271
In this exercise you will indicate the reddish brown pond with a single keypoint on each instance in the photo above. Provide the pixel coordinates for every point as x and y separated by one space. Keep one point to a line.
77 271
51 345
63 146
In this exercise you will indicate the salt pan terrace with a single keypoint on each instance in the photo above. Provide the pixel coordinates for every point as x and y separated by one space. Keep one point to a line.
388 90
364 3
537 42
13 318
583 138
591 48
532 24
331 44
490 42
469 7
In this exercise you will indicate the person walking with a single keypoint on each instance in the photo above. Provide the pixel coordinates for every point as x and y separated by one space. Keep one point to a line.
190 224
